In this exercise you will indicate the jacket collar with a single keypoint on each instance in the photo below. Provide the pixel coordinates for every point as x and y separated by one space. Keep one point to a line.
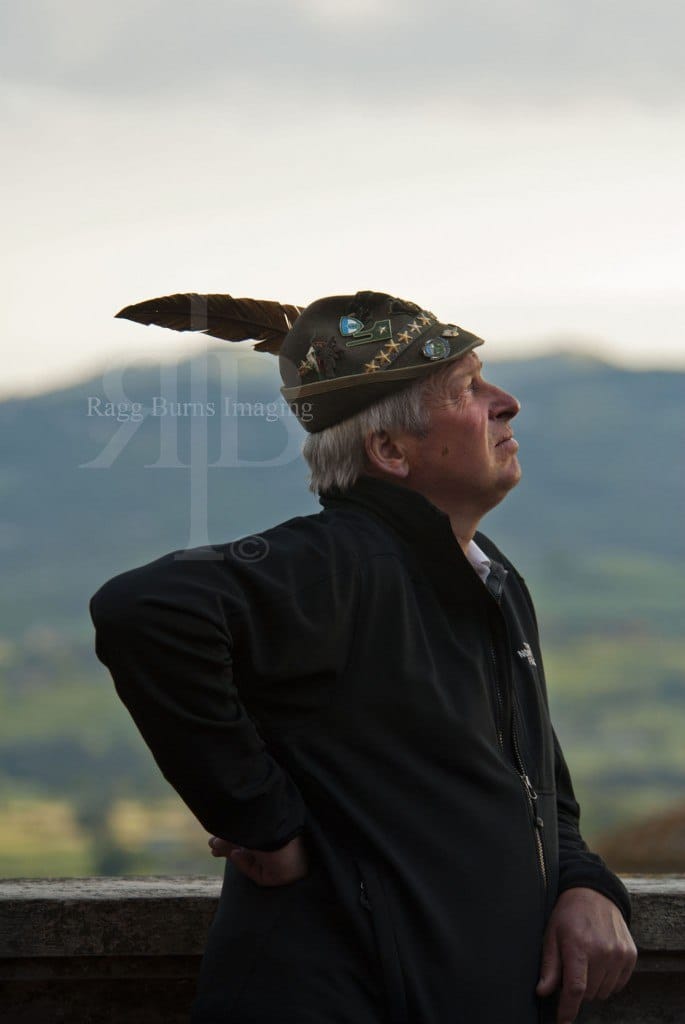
424 528
409 513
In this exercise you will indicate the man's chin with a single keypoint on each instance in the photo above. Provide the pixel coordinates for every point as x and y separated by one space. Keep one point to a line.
508 482
513 474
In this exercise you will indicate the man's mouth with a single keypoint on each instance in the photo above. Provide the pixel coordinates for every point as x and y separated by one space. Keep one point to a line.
509 440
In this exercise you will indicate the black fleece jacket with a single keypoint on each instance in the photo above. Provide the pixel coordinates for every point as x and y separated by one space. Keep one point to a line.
347 676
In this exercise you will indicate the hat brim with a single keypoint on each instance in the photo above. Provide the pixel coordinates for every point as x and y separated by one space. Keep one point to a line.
323 410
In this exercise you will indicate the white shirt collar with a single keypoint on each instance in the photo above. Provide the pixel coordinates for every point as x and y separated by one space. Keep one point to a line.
479 560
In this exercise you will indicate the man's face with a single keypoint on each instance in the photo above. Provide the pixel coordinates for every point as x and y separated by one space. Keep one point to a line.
468 458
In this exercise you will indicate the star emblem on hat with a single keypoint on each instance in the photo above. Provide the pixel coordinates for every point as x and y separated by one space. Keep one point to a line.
309 363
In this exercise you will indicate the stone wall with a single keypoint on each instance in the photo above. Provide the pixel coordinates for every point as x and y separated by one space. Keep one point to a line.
105 950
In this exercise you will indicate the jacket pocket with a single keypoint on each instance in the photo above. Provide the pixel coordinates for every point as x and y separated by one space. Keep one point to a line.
372 896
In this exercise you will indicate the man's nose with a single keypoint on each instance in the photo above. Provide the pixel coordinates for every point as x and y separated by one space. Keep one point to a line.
504 406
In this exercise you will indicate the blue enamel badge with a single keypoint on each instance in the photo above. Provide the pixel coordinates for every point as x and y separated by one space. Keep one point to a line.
435 348
349 325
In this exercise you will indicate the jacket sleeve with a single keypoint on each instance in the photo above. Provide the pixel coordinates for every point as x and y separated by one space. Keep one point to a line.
578 866
162 633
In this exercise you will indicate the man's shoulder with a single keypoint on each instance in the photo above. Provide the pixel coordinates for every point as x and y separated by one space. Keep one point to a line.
313 544
269 564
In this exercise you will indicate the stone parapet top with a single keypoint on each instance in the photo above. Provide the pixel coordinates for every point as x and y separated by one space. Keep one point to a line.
102 950
150 915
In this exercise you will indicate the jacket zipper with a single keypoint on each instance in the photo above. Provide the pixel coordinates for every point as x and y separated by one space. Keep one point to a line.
499 715
538 823
531 795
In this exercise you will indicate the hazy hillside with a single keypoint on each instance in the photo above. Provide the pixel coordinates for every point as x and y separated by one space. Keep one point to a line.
601 450
595 526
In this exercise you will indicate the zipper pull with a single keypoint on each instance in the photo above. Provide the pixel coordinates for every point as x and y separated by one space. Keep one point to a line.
363 897
529 786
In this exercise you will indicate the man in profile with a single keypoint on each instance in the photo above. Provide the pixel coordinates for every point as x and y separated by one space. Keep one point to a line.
359 717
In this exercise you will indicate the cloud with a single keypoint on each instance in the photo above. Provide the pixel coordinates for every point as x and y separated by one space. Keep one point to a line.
532 51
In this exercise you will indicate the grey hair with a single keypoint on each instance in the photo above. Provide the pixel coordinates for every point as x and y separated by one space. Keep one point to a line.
336 456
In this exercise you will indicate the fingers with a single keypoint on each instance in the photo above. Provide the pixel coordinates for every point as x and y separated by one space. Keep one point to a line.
550 967
243 859
579 985
267 869
608 984
246 862
626 973
612 962
620 966
573 989
288 864
252 865
221 847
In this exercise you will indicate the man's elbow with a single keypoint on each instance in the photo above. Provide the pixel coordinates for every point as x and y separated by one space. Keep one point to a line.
112 608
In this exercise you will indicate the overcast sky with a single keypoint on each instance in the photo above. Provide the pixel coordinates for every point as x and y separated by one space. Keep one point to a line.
515 167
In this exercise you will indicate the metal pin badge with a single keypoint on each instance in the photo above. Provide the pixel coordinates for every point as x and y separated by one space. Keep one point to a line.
435 348
349 325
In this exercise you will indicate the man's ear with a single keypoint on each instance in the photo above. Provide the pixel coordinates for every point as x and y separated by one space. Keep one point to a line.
387 455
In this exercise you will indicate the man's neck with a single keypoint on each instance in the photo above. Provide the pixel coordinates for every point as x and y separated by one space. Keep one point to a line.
464 538
464 522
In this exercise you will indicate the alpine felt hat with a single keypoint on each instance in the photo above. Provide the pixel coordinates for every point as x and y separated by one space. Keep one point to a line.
345 352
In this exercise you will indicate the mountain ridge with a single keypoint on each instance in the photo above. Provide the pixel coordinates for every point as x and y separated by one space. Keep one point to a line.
600 450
